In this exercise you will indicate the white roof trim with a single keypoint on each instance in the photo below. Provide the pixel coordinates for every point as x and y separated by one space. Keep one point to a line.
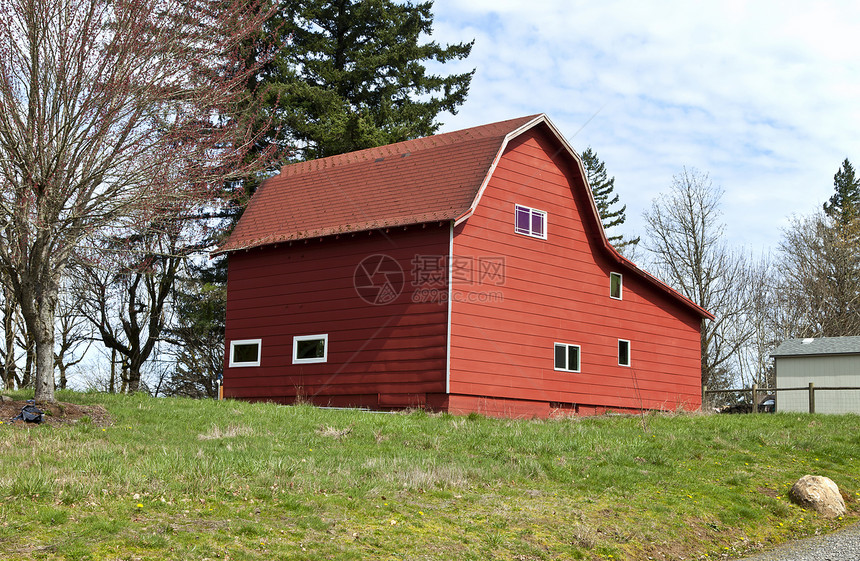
542 118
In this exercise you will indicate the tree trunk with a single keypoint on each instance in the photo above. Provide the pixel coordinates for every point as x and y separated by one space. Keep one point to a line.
43 336
133 385
27 377
38 296
45 365
9 341
112 385
63 379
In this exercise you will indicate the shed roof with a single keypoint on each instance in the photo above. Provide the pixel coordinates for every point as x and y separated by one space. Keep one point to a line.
818 346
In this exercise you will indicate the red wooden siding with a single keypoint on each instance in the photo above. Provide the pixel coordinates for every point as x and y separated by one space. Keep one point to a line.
557 290
378 355
513 296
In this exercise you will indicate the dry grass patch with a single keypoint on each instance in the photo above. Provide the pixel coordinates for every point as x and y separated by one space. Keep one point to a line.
232 431
331 432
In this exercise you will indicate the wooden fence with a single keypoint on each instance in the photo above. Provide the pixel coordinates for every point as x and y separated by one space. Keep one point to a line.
757 391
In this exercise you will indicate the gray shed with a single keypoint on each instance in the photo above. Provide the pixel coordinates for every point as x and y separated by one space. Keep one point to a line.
824 361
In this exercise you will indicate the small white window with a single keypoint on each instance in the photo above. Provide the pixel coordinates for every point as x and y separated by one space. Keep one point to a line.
245 352
615 286
310 348
530 222
567 357
623 352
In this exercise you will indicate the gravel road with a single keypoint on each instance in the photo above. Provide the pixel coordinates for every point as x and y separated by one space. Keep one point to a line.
843 545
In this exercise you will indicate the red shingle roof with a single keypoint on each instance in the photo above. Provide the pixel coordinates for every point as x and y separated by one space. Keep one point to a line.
429 179
436 178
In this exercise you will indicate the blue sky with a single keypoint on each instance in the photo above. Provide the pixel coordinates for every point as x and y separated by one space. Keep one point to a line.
762 96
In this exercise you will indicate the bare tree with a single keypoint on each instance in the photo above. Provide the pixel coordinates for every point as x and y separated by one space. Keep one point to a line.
685 239
74 336
11 327
128 303
819 271
111 113
762 321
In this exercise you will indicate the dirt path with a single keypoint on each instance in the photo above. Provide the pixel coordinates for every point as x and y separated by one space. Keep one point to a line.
843 545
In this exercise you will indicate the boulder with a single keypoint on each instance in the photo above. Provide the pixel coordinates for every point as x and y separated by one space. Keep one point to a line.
818 493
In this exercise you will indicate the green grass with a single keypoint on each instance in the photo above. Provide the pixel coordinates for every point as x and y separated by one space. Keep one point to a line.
182 479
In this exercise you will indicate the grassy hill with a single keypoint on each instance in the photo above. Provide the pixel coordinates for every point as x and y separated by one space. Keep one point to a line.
182 479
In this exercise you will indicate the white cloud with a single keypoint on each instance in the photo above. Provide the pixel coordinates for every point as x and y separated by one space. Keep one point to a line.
761 95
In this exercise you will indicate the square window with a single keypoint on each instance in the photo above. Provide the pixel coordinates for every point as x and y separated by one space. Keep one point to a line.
623 352
310 348
530 222
615 286
566 357
245 352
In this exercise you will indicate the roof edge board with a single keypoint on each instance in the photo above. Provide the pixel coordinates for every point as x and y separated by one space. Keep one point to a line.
542 118
320 234
605 239
813 355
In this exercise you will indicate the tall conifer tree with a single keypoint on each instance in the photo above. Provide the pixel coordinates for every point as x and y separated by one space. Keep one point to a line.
606 199
352 74
844 204
821 265
344 75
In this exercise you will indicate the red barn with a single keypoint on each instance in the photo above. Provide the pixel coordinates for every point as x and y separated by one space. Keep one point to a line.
466 271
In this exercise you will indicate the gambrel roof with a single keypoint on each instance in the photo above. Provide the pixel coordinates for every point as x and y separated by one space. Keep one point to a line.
437 178
430 179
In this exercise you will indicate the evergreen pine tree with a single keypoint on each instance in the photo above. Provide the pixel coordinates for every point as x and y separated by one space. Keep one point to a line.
198 338
344 75
606 199
352 74
844 205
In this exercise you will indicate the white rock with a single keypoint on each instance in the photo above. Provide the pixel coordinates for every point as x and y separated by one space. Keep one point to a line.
818 493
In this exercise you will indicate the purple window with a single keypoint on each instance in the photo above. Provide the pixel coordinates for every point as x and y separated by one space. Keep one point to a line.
523 220
537 224
530 222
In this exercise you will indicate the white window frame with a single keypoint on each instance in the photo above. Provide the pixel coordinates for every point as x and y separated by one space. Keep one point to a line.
532 212
238 342
629 353
567 356
299 338
620 286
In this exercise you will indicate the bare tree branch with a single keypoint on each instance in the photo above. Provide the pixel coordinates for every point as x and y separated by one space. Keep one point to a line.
112 113
819 271
685 238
